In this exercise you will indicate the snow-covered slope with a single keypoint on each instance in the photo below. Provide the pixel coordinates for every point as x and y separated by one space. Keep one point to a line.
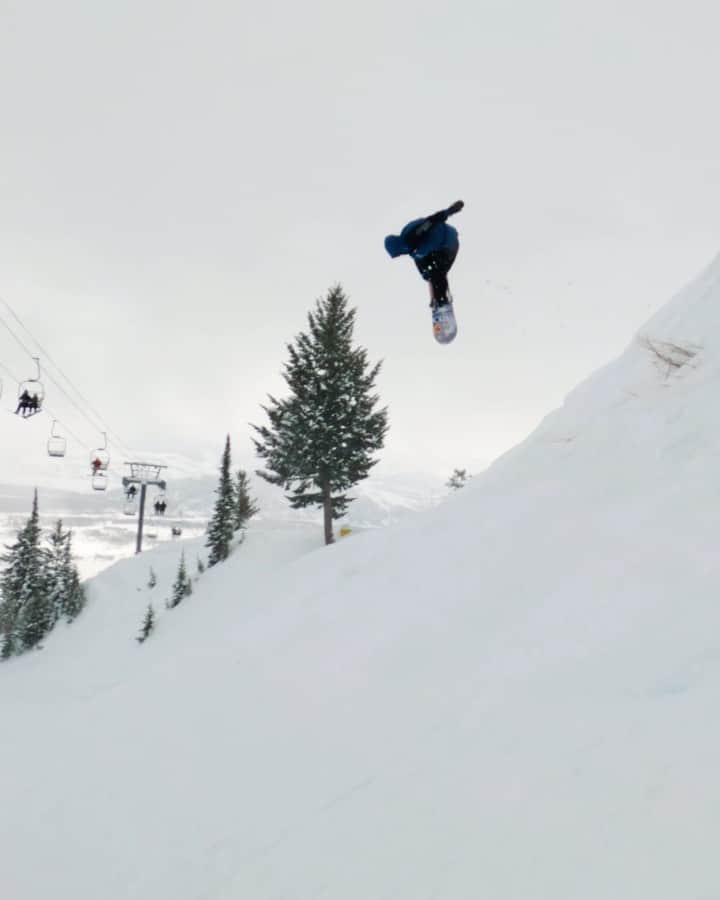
509 696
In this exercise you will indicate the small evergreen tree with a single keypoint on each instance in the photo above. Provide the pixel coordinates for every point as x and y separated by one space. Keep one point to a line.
66 593
245 506
66 596
152 578
457 479
200 566
321 438
148 624
182 586
55 571
221 527
75 598
25 612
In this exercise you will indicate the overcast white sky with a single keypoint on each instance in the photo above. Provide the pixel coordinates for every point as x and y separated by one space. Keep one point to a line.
180 181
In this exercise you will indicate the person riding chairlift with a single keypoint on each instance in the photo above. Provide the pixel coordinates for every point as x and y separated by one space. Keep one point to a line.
24 403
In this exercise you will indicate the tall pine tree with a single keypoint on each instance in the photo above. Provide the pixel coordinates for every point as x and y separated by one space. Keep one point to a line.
222 524
25 613
321 439
245 506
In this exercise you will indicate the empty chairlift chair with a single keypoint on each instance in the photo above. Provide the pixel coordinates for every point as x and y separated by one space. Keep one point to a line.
99 481
57 444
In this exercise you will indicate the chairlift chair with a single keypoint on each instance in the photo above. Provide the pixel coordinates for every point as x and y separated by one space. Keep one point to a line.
130 508
99 481
100 458
57 444
34 389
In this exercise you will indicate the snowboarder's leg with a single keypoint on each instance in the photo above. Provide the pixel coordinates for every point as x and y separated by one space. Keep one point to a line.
434 268
439 289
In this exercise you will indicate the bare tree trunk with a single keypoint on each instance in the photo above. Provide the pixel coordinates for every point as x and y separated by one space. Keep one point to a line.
327 514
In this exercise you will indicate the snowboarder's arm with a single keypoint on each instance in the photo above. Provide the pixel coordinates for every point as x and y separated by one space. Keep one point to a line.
417 234
443 214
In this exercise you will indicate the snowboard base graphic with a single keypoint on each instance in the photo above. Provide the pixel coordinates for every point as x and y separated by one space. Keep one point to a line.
444 325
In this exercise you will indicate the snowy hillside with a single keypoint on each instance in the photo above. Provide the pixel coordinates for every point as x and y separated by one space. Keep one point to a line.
102 534
508 696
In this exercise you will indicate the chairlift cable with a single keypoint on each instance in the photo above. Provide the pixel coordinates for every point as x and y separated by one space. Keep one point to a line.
50 377
17 339
65 428
8 372
47 356
79 441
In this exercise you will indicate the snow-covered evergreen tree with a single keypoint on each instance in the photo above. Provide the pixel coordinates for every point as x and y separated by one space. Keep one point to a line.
152 578
200 566
25 613
35 618
182 586
66 594
245 506
56 574
457 479
222 524
75 597
148 624
321 439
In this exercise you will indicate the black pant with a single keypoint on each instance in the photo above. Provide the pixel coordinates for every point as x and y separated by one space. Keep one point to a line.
434 268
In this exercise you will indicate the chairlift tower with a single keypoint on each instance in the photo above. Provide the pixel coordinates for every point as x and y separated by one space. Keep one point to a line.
143 474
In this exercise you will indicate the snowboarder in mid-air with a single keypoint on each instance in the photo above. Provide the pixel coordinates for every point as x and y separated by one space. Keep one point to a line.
433 244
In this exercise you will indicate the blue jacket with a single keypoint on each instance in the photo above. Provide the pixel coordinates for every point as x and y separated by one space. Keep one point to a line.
440 236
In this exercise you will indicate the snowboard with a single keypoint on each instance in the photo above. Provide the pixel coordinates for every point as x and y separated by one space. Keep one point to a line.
444 325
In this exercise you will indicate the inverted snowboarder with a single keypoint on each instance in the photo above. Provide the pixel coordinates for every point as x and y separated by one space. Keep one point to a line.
433 244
